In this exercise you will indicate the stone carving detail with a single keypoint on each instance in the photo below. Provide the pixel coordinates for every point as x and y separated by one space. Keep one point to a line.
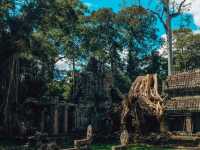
124 137
89 132
84 143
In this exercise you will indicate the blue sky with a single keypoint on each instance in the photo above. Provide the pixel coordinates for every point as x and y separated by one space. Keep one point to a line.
116 5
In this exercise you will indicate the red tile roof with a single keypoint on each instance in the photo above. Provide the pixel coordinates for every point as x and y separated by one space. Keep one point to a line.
187 103
185 80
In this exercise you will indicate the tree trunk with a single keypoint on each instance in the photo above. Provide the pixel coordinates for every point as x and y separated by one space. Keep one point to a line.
7 113
73 76
169 41
169 36
112 66
144 98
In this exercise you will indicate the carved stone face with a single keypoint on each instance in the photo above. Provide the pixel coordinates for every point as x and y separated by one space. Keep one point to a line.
124 137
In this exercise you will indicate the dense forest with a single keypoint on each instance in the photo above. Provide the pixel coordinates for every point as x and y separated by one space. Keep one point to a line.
95 45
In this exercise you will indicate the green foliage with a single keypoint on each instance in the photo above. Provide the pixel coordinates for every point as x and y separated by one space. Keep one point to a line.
138 28
55 88
123 82
132 65
5 6
103 37
31 40
139 38
59 88
35 35
42 30
187 52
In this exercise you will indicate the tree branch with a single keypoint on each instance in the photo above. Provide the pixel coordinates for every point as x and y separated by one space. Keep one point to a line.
59 58
159 17
179 9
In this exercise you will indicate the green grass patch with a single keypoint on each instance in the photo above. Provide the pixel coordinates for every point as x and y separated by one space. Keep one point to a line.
134 147
102 147
146 147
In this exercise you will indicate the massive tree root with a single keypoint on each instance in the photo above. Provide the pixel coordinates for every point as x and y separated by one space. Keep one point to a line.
142 108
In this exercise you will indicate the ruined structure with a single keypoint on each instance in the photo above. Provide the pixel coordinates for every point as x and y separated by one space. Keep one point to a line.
93 100
142 107
84 143
50 117
90 105
182 109
124 140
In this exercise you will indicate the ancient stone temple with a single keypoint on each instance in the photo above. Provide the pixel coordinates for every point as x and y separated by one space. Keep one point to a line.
92 99
50 117
182 109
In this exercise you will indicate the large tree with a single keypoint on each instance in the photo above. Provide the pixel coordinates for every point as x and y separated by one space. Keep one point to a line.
137 27
103 39
166 10
31 39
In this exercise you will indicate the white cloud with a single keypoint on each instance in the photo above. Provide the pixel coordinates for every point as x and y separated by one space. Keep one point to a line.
88 4
195 11
163 49
62 65
196 32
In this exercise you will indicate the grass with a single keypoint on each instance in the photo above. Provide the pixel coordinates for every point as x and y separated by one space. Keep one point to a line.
95 147
102 147
12 145
134 147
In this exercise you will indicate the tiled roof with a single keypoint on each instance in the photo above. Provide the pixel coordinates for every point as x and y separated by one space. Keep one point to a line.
187 103
185 80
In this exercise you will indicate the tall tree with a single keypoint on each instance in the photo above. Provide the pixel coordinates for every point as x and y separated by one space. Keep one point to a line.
167 10
61 25
31 39
137 26
104 39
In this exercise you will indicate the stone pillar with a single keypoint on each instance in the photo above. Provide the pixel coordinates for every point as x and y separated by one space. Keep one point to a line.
66 120
163 126
55 125
42 125
188 124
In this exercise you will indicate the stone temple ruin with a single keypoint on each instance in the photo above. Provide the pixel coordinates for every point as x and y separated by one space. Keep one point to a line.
53 117
144 111
183 106
176 117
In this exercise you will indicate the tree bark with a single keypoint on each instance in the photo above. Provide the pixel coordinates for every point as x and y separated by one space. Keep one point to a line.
166 17
7 104
170 53
73 76
169 39
144 98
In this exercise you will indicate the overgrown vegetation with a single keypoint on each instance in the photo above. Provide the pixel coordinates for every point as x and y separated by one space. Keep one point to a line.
35 35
